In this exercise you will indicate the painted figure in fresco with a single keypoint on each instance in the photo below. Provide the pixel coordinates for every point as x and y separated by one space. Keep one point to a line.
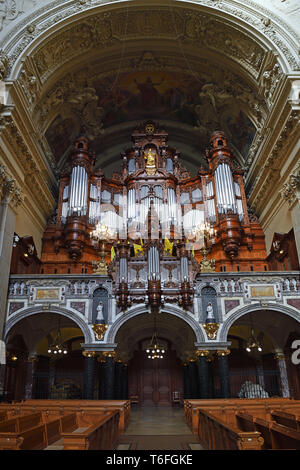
100 316
210 318
150 96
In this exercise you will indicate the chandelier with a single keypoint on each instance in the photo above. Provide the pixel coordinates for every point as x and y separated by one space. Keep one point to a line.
57 347
154 349
252 343
102 232
204 229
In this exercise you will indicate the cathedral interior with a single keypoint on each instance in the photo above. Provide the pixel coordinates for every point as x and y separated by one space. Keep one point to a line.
149 200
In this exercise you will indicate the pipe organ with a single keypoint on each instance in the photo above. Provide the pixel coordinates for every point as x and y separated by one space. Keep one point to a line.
150 204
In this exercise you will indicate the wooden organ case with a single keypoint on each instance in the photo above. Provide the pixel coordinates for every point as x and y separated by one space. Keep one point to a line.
152 207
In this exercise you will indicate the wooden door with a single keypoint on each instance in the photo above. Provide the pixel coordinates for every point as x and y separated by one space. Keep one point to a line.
154 381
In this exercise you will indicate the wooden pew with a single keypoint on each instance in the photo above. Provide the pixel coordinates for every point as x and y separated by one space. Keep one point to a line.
284 437
94 408
216 435
28 432
244 421
276 436
101 435
286 419
225 409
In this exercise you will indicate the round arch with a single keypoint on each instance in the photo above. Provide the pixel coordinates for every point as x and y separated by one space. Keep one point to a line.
254 308
24 34
169 309
88 336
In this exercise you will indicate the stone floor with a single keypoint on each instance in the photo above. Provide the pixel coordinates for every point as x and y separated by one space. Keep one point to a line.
162 428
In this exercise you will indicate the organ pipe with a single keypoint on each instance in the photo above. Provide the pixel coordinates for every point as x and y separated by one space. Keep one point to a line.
78 192
184 268
224 189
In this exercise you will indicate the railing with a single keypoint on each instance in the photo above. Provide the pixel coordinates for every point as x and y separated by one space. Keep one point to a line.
83 284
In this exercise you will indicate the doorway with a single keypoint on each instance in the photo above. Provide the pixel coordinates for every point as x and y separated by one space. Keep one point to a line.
154 381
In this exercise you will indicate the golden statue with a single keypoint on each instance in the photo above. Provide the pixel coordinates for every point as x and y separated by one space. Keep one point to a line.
150 163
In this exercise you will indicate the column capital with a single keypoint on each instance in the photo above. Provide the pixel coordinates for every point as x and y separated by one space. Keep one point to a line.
223 352
89 353
109 354
202 352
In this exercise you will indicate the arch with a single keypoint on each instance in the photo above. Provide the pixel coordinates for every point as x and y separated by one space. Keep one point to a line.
254 308
52 17
168 308
88 336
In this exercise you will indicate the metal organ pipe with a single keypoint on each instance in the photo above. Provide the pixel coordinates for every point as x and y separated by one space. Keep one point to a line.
153 261
224 188
184 268
78 192
123 269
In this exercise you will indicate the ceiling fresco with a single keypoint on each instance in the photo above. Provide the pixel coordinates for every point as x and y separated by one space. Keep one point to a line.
179 99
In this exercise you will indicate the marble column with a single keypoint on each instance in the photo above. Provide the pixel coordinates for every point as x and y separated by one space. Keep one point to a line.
125 382
295 215
118 379
260 375
210 370
186 382
202 367
10 199
89 373
284 382
101 378
51 376
193 379
31 366
109 376
224 373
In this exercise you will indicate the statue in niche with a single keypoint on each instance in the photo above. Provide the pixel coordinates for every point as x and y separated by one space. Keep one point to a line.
210 318
100 317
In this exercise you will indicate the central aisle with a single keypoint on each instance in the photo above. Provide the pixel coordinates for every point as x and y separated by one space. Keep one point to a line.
158 428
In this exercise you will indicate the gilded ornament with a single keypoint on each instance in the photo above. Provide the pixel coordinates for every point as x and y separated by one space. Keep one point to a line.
99 331
89 353
211 329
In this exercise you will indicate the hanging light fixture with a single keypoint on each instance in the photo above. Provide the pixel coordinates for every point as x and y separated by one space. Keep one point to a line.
155 350
57 348
253 344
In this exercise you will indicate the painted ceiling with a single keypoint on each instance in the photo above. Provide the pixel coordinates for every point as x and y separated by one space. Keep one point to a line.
176 99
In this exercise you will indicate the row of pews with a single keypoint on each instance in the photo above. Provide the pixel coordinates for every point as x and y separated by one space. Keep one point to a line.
245 424
63 424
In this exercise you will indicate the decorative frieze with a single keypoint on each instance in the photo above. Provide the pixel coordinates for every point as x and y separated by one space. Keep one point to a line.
290 189
9 190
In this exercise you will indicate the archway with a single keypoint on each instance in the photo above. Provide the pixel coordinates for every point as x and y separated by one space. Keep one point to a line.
44 358
155 382
260 354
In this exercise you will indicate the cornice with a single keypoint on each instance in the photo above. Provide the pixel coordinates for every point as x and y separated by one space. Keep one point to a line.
33 179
